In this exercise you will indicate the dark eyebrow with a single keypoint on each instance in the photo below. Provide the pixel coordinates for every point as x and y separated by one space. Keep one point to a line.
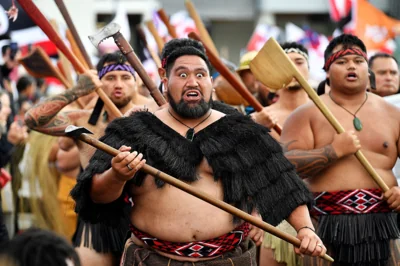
180 68
185 68
201 69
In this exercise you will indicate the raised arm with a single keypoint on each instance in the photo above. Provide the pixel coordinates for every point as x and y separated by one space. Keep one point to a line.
45 117
298 144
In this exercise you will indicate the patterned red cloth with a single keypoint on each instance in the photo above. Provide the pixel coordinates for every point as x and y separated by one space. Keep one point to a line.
197 249
356 201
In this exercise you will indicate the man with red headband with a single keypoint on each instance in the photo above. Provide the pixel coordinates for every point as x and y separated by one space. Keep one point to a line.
356 220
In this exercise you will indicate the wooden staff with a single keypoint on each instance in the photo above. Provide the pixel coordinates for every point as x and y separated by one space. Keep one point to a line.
62 63
200 27
81 133
272 61
65 67
164 17
153 54
75 49
157 37
64 11
39 19
227 74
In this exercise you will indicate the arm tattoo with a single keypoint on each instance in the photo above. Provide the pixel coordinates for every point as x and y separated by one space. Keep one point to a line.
308 163
44 116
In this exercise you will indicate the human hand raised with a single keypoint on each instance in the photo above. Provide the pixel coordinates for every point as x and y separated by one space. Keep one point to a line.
87 83
265 117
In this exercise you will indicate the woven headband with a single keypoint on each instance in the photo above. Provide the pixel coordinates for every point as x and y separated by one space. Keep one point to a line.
341 53
297 51
116 67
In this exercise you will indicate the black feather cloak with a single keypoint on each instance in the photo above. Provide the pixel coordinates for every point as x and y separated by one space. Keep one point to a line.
248 161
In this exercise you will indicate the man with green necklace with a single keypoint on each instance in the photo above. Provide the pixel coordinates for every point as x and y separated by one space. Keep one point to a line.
354 218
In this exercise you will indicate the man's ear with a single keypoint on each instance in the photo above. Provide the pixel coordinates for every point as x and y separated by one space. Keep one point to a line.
164 81
161 72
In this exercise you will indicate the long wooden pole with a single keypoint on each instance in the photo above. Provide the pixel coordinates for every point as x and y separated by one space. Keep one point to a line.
164 17
153 54
152 28
200 27
64 11
75 48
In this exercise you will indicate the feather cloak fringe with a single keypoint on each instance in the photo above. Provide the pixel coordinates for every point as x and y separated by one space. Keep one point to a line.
359 239
248 161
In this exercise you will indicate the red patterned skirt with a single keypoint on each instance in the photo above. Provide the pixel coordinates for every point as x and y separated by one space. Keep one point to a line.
196 249
357 227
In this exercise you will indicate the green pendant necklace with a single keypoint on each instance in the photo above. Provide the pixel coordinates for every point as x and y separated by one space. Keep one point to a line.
356 121
190 133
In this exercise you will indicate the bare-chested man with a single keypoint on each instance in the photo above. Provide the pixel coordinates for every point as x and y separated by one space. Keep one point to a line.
275 251
227 156
118 82
356 224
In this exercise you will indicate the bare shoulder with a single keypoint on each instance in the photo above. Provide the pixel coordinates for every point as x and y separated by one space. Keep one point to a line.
386 104
80 117
302 113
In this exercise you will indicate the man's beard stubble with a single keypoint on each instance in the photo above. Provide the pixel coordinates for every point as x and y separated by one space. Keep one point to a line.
294 86
121 103
184 110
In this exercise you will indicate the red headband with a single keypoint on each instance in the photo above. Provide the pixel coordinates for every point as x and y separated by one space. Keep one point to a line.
338 54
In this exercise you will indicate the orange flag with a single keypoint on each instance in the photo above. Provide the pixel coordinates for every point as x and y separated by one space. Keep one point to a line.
373 26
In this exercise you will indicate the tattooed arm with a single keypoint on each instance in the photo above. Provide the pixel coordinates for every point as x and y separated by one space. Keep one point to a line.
308 163
45 117
299 145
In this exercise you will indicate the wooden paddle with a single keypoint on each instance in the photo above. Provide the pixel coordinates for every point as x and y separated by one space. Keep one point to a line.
273 67
38 64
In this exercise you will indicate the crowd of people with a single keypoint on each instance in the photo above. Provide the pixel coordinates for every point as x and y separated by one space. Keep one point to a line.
88 207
